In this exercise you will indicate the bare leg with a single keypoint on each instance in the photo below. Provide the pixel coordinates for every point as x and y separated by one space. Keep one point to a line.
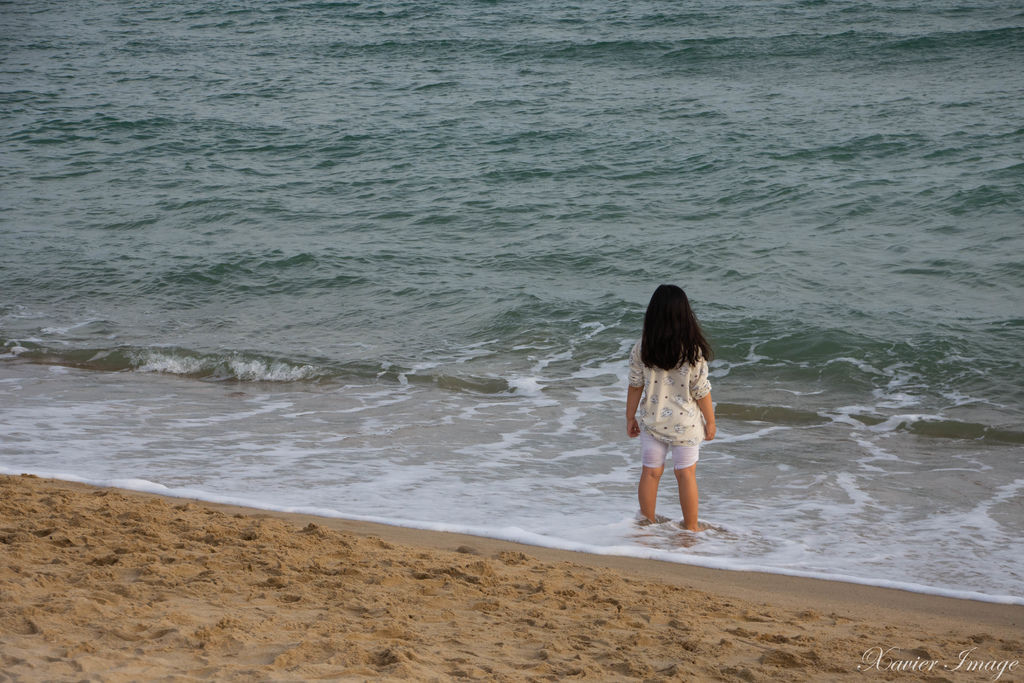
647 492
687 480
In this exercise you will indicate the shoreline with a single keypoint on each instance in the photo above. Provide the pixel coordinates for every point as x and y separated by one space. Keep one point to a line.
746 583
385 527
77 555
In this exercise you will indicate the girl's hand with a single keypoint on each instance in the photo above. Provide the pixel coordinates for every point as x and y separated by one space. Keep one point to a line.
709 431
632 428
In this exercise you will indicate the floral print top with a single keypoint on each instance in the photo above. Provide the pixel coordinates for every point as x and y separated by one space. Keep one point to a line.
668 410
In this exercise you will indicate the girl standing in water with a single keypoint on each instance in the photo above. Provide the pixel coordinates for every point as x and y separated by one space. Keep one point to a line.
668 370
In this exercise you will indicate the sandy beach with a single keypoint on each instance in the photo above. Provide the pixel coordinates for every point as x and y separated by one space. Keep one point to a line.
107 584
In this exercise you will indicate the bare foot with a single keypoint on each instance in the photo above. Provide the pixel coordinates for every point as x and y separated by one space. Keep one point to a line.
658 519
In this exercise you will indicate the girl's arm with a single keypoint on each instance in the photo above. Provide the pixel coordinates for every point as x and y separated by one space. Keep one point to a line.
632 403
708 411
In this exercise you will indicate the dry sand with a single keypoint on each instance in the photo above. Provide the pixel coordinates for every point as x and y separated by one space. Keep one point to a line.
105 584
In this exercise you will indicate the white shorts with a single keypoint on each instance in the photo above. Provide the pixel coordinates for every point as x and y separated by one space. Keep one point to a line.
653 453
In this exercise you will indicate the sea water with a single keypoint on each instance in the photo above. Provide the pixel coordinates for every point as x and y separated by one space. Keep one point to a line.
385 260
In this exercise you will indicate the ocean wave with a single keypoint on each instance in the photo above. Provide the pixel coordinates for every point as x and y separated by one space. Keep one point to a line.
866 43
931 426
244 366
875 146
254 274
241 366
236 367
985 198
1008 38
939 428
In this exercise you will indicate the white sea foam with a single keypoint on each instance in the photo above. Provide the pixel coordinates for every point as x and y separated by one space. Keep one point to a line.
721 368
894 422
959 399
847 482
593 328
528 385
255 370
844 415
615 369
980 515
64 329
857 363
569 420
174 365
599 395
724 438
802 393
876 453
244 369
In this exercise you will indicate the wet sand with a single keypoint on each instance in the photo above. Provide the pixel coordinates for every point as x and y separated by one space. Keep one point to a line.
107 584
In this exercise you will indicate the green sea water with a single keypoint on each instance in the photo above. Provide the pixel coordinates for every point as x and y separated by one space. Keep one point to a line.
467 205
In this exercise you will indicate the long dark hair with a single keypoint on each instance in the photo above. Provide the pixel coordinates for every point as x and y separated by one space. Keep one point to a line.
672 335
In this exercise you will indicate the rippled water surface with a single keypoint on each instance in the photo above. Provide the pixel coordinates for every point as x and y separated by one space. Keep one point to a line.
387 259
